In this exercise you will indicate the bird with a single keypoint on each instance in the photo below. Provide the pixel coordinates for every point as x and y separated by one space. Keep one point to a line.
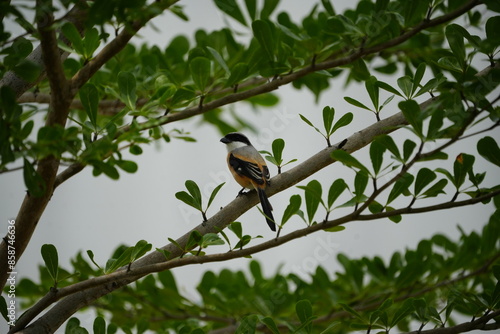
249 169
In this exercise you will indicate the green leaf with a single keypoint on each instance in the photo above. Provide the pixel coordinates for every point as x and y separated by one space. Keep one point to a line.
69 30
238 73
99 326
389 143
188 199
404 311
114 263
396 218
400 186
356 103
417 78
200 72
328 7
408 148
194 190
455 39
218 58
461 167
372 89
91 256
33 181
431 84
303 308
435 123
488 148
328 116
388 88
360 183
247 325
352 311
243 241
73 327
336 189
126 87
270 324
343 121
27 128
491 28
211 239
377 150
231 8
359 70
51 259
278 146
424 177
251 8
27 70
214 193
308 122
292 208
108 169
412 113
268 8
348 160
262 30
194 240
405 84
90 42
313 192
335 229
140 248
237 229
135 150
127 165
90 101
164 252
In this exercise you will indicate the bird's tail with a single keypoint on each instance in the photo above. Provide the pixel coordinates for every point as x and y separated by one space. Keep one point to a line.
267 209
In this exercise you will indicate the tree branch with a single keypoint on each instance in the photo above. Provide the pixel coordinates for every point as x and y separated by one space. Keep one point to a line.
478 324
32 207
62 93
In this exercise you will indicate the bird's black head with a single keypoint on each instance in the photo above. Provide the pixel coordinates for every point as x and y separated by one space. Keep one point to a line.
235 137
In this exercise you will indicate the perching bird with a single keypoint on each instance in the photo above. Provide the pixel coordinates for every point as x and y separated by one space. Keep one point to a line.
249 169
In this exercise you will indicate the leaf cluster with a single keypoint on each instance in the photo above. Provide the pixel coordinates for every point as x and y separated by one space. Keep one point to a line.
445 278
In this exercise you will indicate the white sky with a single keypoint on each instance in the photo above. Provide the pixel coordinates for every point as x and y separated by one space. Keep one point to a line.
99 214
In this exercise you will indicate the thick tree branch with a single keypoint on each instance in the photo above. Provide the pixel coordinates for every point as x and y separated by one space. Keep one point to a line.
62 93
32 207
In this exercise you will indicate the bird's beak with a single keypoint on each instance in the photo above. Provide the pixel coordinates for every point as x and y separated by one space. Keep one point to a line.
225 140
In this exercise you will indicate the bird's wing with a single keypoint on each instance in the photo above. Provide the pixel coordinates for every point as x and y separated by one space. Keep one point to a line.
250 169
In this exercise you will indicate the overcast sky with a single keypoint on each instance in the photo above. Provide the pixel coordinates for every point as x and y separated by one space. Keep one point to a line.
99 214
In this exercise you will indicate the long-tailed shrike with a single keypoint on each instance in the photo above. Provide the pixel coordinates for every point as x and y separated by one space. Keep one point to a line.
249 169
